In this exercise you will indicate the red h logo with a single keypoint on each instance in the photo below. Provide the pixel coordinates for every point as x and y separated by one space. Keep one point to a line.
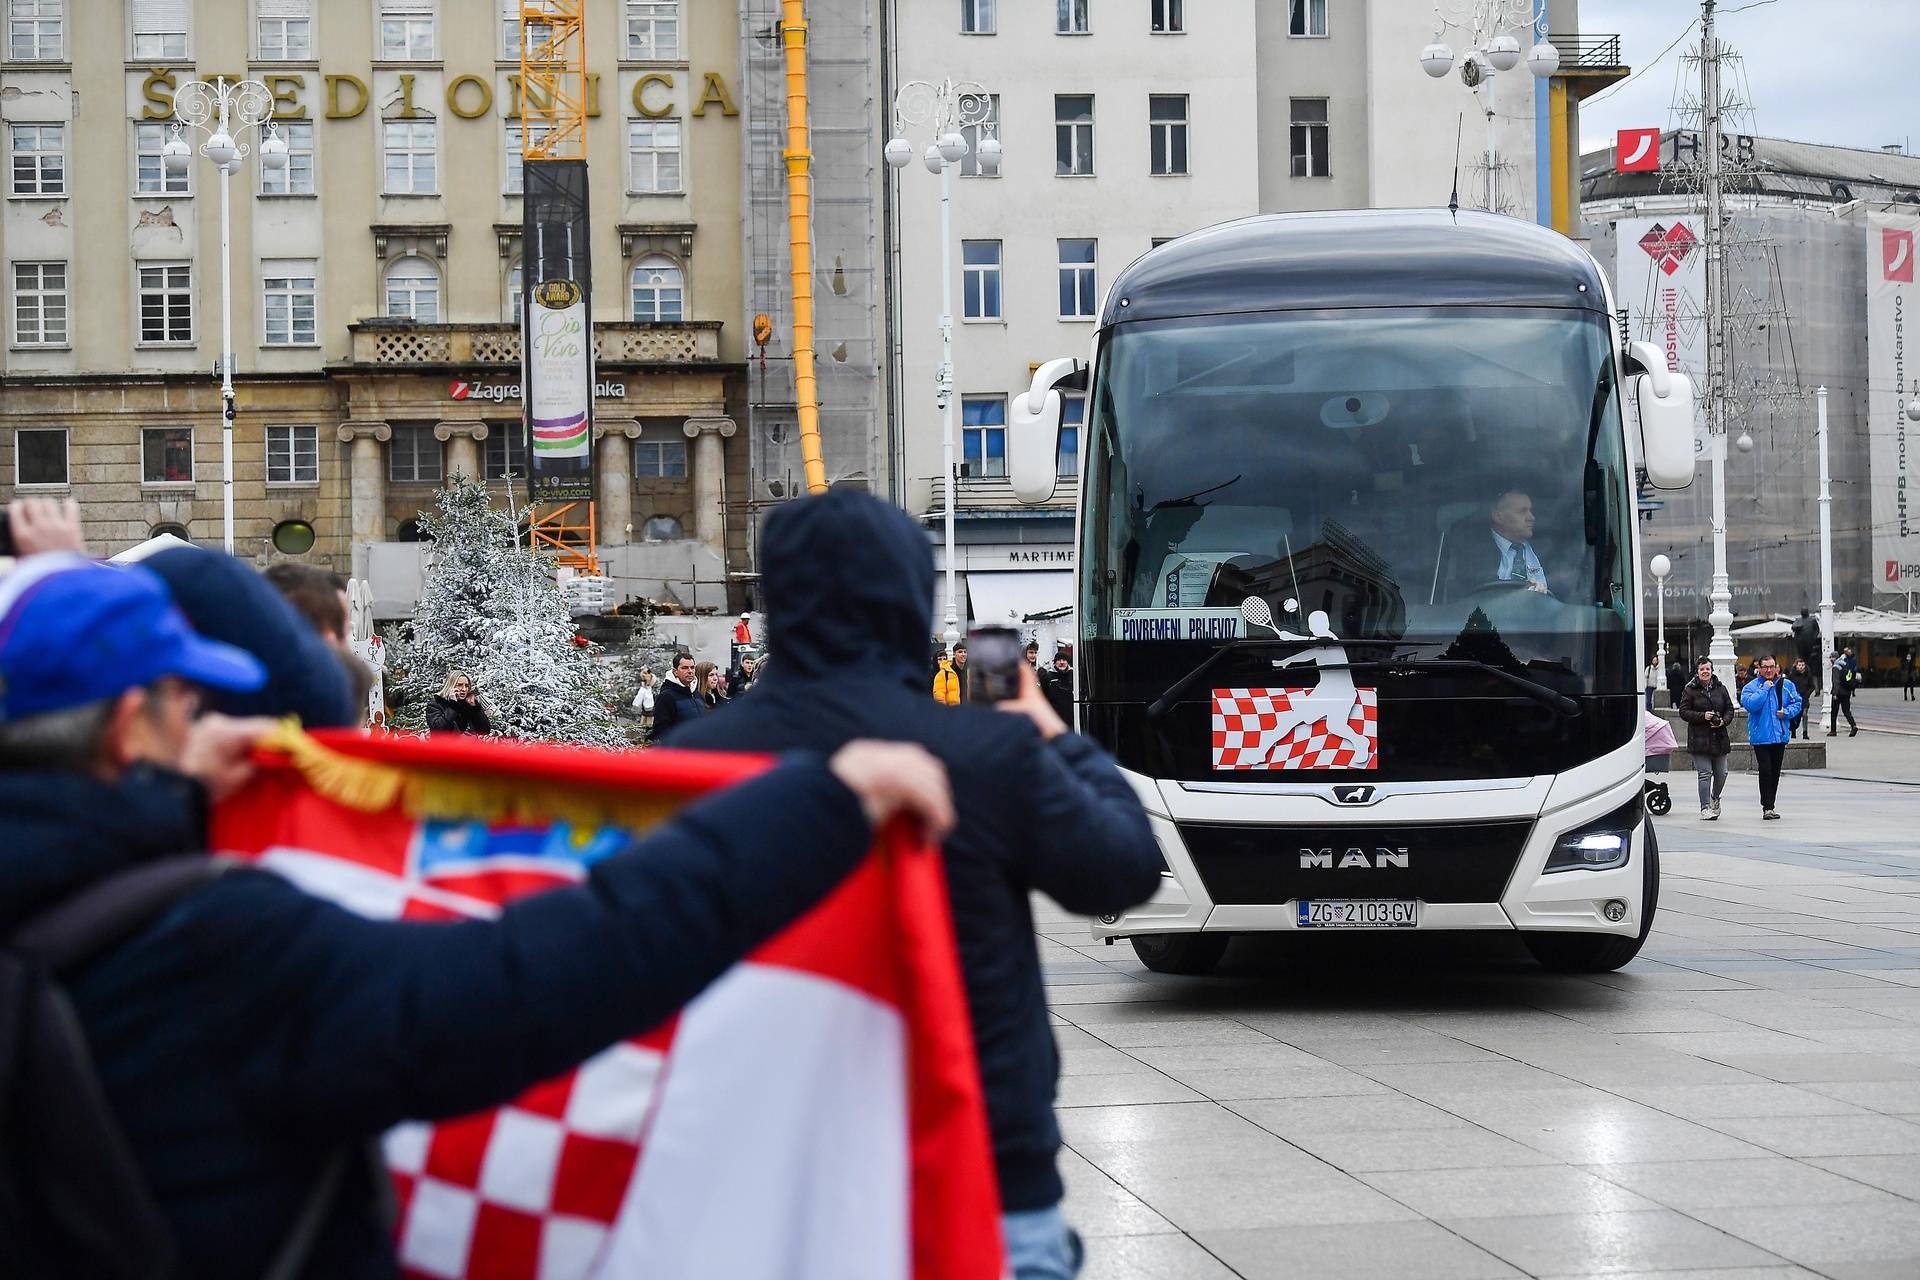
1896 254
1636 151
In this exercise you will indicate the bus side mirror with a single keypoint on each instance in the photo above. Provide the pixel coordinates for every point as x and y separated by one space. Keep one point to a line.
1033 432
1665 401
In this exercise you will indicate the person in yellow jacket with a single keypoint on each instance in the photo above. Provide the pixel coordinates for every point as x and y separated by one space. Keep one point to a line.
950 678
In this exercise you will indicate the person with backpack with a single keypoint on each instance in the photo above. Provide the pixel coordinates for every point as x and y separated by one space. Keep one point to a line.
1845 677
1773 705
197 1059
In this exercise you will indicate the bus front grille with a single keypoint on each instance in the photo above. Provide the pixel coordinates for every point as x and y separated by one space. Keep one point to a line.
1462 862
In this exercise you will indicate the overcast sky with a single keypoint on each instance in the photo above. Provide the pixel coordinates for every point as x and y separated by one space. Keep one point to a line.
1832 71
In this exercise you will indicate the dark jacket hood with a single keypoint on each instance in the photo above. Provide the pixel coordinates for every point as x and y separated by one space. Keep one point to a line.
849 583
61 831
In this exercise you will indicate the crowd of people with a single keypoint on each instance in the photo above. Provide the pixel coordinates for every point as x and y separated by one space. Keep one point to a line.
233 1047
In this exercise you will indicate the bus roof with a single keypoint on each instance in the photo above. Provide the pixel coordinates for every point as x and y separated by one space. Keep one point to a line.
1358 258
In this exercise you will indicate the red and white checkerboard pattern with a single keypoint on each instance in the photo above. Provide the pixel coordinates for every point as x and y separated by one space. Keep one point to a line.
1250 731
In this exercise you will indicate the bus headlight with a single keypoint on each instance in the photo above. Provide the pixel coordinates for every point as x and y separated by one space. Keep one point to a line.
1600 845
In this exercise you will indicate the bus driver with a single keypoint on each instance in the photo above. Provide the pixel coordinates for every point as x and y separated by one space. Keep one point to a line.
1500 551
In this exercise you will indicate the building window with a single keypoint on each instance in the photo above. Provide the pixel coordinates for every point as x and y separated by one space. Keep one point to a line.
412 161
1309 136
516 292
293 455
39 304
537 33
659 290
506 455
39 159
413 291
166 303
1070 17
166 455
653 30
1307 18
293 537
159 29
983 436
1169 17
413 455
970 166
284 30
980 279
662 529
291 307
150 176
653 156
517 157
1073 413
34 31
660 459
40 456
1073 133
1167 119
295 177
976 17
406 30
1079 272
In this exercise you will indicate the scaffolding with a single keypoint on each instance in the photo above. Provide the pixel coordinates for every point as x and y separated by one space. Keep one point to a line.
842 67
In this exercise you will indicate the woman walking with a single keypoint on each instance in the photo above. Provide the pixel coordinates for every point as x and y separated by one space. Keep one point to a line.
457 709
1707 708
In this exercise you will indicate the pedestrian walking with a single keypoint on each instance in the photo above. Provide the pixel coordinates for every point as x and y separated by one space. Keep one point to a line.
1059 684
848 587
457 708
1650 680
237 1048
1707 708
1805 682
1773 704
1842 678
1907 673
1676 682
678 700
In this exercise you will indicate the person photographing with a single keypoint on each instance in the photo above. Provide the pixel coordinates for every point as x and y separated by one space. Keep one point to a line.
1707 708
1773 705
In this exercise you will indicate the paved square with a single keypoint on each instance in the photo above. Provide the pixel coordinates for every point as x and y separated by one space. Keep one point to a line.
1741 1101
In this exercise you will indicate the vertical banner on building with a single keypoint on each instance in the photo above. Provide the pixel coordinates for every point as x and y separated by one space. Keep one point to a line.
1890 374
557 332
1661 277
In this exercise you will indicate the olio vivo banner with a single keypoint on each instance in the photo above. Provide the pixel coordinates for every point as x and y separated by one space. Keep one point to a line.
1661 278
1890 369
558 376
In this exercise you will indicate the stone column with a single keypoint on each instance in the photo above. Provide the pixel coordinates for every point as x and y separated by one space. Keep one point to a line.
710 480
367 485
463 447
613 478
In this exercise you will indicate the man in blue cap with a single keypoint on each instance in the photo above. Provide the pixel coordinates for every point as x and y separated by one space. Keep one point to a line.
248 1036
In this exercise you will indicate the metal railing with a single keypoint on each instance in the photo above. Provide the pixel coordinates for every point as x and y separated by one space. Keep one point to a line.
1587 53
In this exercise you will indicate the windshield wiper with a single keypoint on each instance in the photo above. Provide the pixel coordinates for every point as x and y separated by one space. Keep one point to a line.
1540 693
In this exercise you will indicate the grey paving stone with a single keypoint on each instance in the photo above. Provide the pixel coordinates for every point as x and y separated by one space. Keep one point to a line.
1201 1189
1264 1055
1809 1067
1709 1273
1705 1101
1096 1205
1380 1251
1121 1090
1362 1113
1162 1257
1894 1097
1858 1135
1563 1244
1817 1236
1191 1123
1504 1192
1898 1174
1628 1142
1734 1184
1460 1146
1416 1048
1433 1080
1321 1080
1101 1061
1151 1035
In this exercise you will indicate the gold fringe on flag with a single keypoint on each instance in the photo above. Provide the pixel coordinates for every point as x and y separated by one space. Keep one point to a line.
371 787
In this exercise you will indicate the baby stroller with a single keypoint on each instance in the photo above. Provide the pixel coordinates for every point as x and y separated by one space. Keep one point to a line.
1659 740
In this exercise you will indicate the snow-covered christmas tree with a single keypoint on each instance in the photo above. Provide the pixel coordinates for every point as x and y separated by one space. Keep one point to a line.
490 607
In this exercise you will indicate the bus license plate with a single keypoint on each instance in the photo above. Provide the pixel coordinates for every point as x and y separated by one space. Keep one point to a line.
1356 914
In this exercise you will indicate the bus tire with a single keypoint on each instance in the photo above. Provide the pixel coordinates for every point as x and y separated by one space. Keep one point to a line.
1601 952
1189 953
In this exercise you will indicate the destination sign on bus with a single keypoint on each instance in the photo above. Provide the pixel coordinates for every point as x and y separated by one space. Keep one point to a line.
1179 624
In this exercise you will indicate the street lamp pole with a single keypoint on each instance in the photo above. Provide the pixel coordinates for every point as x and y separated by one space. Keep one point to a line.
947 107
1826 535
223 109
1661 567
1488 27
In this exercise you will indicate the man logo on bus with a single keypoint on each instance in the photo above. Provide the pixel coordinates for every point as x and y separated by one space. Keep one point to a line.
1669 246
1896 254
1332 725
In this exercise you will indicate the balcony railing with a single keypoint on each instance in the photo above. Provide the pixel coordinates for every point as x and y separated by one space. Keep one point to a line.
1587 53
995 493
381 342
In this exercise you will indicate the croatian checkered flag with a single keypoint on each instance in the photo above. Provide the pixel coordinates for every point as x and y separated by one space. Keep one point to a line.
1286 729
815 1114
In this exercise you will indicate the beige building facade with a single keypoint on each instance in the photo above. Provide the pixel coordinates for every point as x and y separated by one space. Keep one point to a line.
375 279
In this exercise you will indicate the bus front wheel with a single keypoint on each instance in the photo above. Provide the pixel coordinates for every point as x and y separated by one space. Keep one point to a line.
1190 953
1602 953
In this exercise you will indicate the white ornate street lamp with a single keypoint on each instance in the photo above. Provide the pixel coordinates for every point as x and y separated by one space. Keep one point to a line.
1487 29
945 108
1661 567
223 110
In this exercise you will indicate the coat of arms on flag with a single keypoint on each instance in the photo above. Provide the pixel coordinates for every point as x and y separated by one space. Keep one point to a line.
1296 728
815 1114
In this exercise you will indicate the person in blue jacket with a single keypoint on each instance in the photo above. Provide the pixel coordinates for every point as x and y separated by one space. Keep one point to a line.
251 1034
1773 704
848 585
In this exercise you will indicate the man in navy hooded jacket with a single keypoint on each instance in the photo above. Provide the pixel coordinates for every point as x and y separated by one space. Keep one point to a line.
848 584
250 1034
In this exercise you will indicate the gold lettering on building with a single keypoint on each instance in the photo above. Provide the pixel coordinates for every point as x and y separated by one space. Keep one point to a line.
714 92
335 111
159 105
285 91
640 88
453 97
407 110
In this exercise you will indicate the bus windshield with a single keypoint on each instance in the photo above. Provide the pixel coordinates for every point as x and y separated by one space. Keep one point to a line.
1438 481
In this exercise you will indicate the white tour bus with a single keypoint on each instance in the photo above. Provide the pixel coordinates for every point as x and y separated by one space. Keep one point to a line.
1357 584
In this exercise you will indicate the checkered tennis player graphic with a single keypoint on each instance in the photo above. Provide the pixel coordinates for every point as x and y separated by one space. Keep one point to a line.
1332 725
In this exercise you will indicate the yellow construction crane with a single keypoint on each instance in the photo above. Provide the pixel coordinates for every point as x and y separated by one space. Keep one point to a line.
799 158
